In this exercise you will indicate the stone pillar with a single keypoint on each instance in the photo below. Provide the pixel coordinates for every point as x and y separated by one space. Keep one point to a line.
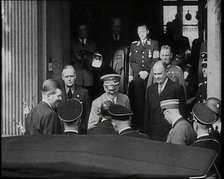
214 48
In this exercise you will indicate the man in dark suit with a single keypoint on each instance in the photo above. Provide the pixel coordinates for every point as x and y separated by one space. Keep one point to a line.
70 112
154 123
71 90
43 119
82 51
104 125
121 120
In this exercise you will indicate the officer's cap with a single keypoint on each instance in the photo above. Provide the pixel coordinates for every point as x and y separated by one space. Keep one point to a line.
111 79
169 104
202 114
119 112
214 104
70 110
204 63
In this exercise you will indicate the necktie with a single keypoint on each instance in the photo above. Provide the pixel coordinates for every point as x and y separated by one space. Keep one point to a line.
83 44
69 93
160 89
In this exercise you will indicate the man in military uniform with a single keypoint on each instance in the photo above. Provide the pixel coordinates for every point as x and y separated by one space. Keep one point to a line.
201 94
104 125
111 86
215 105
174 72
121 120
70 112
71 90
143 54
204 118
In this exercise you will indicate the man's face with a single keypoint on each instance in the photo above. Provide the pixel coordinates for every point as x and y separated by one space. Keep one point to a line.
68 76
205 72
55 98
82 31
111 90
142 32
116 27
159 73
165 55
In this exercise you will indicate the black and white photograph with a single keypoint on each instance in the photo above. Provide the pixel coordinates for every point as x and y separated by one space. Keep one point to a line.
94 89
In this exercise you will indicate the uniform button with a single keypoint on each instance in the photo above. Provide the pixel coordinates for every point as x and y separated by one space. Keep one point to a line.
142 56
136 51
143 52
143 65
142 61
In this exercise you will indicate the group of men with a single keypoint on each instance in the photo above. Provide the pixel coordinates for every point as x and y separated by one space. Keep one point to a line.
160 100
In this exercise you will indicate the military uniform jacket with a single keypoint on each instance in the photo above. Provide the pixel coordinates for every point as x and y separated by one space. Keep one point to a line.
142 57
42 119
94 115
134 133
155 125
103 128
84 76
209 142
181 133
201 94
82 95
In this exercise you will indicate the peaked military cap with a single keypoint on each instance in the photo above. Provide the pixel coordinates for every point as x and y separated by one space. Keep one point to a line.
169 104
70 110
111 79
202 114
119 112
214 104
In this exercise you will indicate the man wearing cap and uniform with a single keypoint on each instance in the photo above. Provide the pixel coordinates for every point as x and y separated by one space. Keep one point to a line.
70 112
121 120
215 105
203 119
143 54
104 125
181 132
71 90
201 94
111 87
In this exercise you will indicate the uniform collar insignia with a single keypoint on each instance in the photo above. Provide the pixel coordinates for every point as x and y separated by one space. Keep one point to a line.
148 42
138 43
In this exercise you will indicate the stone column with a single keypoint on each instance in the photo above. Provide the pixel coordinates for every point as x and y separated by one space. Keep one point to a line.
214 48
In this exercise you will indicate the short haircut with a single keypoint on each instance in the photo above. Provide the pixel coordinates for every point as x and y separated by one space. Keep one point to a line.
50 86
165 47
163 63
116 19
68 67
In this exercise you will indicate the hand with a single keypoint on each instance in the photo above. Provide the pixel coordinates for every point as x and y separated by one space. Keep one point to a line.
143 74
130 79
186 73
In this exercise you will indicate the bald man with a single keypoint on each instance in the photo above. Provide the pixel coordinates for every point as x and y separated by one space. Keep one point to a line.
154 124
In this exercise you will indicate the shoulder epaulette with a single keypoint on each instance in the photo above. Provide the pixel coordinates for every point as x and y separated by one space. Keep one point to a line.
134 42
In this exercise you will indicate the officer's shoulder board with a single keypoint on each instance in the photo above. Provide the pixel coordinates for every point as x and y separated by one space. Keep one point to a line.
134 42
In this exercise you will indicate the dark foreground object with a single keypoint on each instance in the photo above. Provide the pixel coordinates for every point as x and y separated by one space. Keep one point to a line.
82 156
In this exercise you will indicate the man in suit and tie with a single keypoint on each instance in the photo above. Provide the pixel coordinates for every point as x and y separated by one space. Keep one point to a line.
111 87
71 90
154 124
43 119
82 51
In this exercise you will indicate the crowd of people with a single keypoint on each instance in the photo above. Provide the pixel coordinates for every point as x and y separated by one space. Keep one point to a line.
139 90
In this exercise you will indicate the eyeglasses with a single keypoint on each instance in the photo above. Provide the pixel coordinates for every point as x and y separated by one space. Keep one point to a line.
163 110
